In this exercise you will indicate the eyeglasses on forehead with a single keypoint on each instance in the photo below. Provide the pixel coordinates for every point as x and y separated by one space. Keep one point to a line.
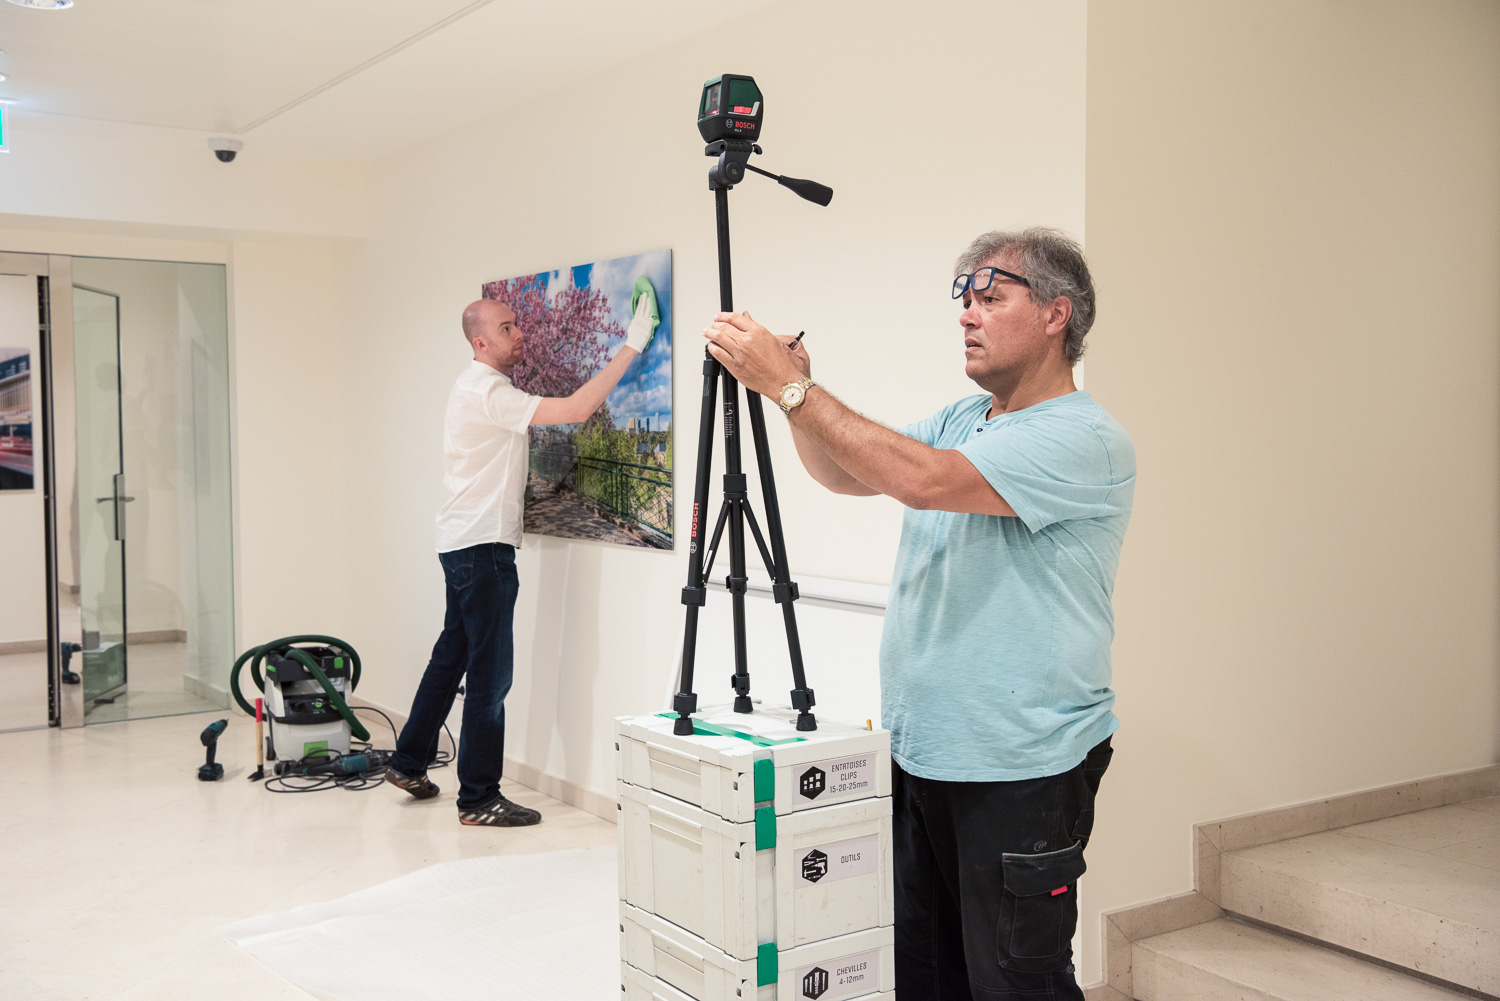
981 279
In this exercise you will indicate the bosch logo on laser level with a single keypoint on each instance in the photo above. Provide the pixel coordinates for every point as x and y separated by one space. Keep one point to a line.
815 983
814 866
813 782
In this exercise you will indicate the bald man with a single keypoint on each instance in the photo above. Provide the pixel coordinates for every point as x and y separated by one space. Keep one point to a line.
478 531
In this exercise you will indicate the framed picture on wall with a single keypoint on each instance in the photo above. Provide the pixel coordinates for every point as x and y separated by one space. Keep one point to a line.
16 463
608 479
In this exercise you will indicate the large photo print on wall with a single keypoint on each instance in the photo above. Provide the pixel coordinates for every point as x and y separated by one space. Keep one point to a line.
15 420
608 479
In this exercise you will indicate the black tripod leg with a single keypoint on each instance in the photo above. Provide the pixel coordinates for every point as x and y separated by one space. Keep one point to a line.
736 490
784 589
686 703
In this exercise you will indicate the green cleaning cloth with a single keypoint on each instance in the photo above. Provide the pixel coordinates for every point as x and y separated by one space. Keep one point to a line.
643 287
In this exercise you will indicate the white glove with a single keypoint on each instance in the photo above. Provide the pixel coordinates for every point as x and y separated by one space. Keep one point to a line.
642 326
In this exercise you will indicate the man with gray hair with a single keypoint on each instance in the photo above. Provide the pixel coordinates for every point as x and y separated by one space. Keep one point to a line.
994 664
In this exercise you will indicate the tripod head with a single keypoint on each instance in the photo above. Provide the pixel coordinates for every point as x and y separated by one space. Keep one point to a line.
729 119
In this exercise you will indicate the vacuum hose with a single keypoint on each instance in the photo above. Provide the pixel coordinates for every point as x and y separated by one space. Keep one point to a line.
284 647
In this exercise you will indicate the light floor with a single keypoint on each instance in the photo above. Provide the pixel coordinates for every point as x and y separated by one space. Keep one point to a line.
117 864
155 687
23 690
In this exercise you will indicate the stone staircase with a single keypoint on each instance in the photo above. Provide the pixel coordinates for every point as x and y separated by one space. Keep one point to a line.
1387 895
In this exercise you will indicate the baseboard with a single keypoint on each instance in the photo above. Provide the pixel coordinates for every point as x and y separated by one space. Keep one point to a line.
1210 840
159 636
149 636
561 789
205 689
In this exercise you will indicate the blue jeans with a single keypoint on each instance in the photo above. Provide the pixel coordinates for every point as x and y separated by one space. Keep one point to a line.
477 640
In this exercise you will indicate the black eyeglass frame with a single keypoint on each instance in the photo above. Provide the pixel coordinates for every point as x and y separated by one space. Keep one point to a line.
964 283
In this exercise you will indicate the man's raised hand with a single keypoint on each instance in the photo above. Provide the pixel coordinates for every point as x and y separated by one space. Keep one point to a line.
755 356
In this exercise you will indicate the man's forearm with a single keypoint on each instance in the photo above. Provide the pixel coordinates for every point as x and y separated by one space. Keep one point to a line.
591 395
864 452
821 466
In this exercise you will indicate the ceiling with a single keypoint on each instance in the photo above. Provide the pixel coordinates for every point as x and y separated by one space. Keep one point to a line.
348 79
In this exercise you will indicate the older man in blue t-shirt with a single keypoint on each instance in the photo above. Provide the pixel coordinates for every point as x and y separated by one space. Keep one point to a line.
994 665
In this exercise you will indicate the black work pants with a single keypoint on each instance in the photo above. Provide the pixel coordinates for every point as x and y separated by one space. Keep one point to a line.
986 880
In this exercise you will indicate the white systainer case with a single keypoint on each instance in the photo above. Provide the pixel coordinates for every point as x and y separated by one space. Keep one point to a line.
791 880
857 967
734 761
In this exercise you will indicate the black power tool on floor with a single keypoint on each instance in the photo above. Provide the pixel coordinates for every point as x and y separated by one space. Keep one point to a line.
211 770
347 764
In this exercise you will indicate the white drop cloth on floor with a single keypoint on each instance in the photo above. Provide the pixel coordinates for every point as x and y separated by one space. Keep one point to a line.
510 926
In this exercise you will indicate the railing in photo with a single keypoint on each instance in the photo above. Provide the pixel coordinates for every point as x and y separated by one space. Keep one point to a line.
637 496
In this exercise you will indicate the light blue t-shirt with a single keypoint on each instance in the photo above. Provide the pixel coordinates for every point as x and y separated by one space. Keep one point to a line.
994 663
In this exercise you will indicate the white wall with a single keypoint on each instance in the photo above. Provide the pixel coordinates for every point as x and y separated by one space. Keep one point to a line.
300 515
23 570
917 171
100 173
1295 223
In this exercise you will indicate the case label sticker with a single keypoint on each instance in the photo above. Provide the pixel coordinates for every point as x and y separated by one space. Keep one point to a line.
833 779
838 860
841 978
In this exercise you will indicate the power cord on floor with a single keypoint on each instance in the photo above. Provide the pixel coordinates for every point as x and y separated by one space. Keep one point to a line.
357 781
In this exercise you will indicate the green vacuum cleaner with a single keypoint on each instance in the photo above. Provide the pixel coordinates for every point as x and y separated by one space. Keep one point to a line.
307 681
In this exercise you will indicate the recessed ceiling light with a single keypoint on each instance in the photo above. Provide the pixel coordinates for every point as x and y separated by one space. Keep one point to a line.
44 4
3 78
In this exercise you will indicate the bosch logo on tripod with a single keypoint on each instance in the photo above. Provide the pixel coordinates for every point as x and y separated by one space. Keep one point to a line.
814 866
815 983
813 782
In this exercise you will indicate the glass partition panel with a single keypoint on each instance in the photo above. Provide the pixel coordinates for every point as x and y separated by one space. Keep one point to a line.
174 431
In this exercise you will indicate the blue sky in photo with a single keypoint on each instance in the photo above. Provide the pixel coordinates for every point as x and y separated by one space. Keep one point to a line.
646 390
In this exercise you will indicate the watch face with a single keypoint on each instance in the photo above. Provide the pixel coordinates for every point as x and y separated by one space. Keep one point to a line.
791 396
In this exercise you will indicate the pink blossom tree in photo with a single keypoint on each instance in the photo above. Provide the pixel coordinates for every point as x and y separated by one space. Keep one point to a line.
562 343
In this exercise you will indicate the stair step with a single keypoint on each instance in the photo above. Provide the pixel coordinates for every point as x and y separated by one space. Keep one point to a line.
1421 890
1226 960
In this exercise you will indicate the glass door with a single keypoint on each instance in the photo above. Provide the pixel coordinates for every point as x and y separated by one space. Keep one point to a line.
103 500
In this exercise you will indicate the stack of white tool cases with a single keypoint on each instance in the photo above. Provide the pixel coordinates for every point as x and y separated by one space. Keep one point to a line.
755 860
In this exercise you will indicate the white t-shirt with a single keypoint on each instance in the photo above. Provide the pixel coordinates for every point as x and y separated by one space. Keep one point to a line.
484 460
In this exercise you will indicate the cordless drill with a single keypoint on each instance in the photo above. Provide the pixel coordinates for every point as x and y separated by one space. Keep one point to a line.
211 770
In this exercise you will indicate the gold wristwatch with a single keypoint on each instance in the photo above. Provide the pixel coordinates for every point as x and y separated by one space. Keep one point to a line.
793 393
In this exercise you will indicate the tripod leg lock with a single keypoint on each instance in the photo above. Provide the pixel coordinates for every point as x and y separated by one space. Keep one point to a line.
736 486
684 704
737 585
786 592
694 595
741 685
802 699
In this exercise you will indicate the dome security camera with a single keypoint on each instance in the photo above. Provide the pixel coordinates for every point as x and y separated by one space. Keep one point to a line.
225 149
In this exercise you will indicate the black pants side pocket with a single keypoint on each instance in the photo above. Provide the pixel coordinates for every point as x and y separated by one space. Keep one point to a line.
1039 910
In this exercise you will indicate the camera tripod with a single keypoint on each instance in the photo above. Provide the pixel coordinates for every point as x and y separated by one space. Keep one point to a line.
735 513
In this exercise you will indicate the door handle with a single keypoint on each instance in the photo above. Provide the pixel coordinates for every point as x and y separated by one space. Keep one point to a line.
118 498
